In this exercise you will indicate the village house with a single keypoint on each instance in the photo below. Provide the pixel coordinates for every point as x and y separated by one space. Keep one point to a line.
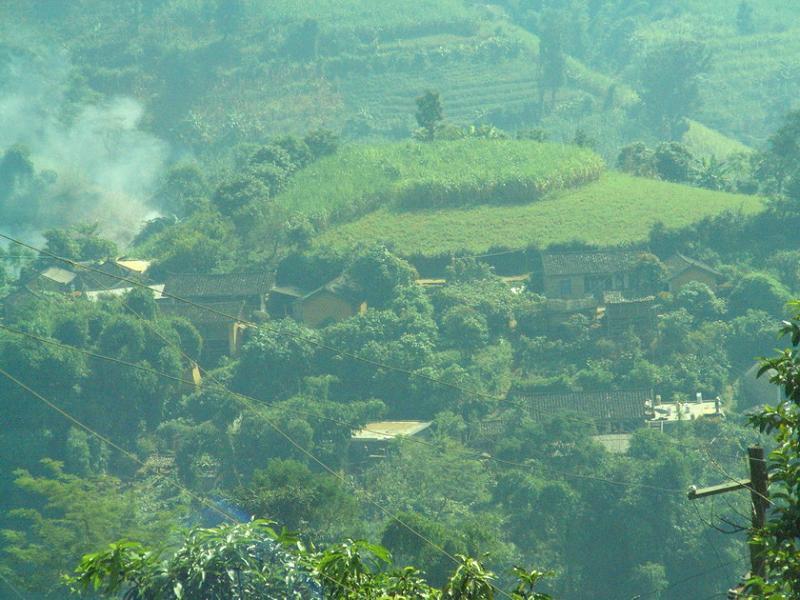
666 414
573 275
613 411
250 289
335 301
220 325
682 269
372 442
111 274
621 315
54 279
281 300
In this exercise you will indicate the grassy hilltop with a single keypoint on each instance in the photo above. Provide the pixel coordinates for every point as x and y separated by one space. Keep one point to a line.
474 195
421 175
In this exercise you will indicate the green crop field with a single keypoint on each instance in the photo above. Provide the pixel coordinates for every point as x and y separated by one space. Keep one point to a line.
705 142
444 173
618 209
753 80
369 13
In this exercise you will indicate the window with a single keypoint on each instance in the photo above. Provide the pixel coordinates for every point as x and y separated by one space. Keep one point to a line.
565 287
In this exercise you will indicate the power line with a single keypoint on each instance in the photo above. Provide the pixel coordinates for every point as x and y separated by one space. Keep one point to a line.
277 429
311 341
108 442
132 457
352 426
331 349
733 479
689 578
11 586
212 310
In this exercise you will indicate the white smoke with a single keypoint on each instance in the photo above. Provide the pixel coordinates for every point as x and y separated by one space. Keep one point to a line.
103 167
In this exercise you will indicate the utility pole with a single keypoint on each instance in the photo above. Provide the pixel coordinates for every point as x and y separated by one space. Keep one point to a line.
759 498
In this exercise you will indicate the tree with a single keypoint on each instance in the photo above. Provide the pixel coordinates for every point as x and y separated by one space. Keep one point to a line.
235 561
465 327
251 560
670 83
758 291
275 359
745 24
184 190
779 539
321 142
673 161
236 193
72 516
779 168
552 61
302 43
229 15
649 274
16 169
288 492
429 113
379 274
80 242
700 301
636 159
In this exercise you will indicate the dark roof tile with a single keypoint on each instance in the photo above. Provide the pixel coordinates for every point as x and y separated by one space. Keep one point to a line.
583 263
231 285
602 406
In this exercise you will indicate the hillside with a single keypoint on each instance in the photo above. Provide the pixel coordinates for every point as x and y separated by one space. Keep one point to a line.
753 80
240 74
444 173
618 209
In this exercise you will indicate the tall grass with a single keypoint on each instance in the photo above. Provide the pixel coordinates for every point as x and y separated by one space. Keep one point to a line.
414 176
616 210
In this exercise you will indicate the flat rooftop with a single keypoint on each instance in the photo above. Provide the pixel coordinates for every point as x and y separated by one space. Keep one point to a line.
684 411
387 430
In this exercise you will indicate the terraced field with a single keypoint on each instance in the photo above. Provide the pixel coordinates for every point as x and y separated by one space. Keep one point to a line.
618 209
754 79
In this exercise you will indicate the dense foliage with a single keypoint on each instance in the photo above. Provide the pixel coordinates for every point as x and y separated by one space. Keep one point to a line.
398 158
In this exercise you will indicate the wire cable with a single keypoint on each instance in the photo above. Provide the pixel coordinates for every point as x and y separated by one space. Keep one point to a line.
225 515
339 352
351 426
680 582
291 441
11 586
739 482
111 444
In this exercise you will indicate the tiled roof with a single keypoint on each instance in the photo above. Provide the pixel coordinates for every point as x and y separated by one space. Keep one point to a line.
288 290
107 275
211 312
340 286
231 285
584 263
602 406
679 263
